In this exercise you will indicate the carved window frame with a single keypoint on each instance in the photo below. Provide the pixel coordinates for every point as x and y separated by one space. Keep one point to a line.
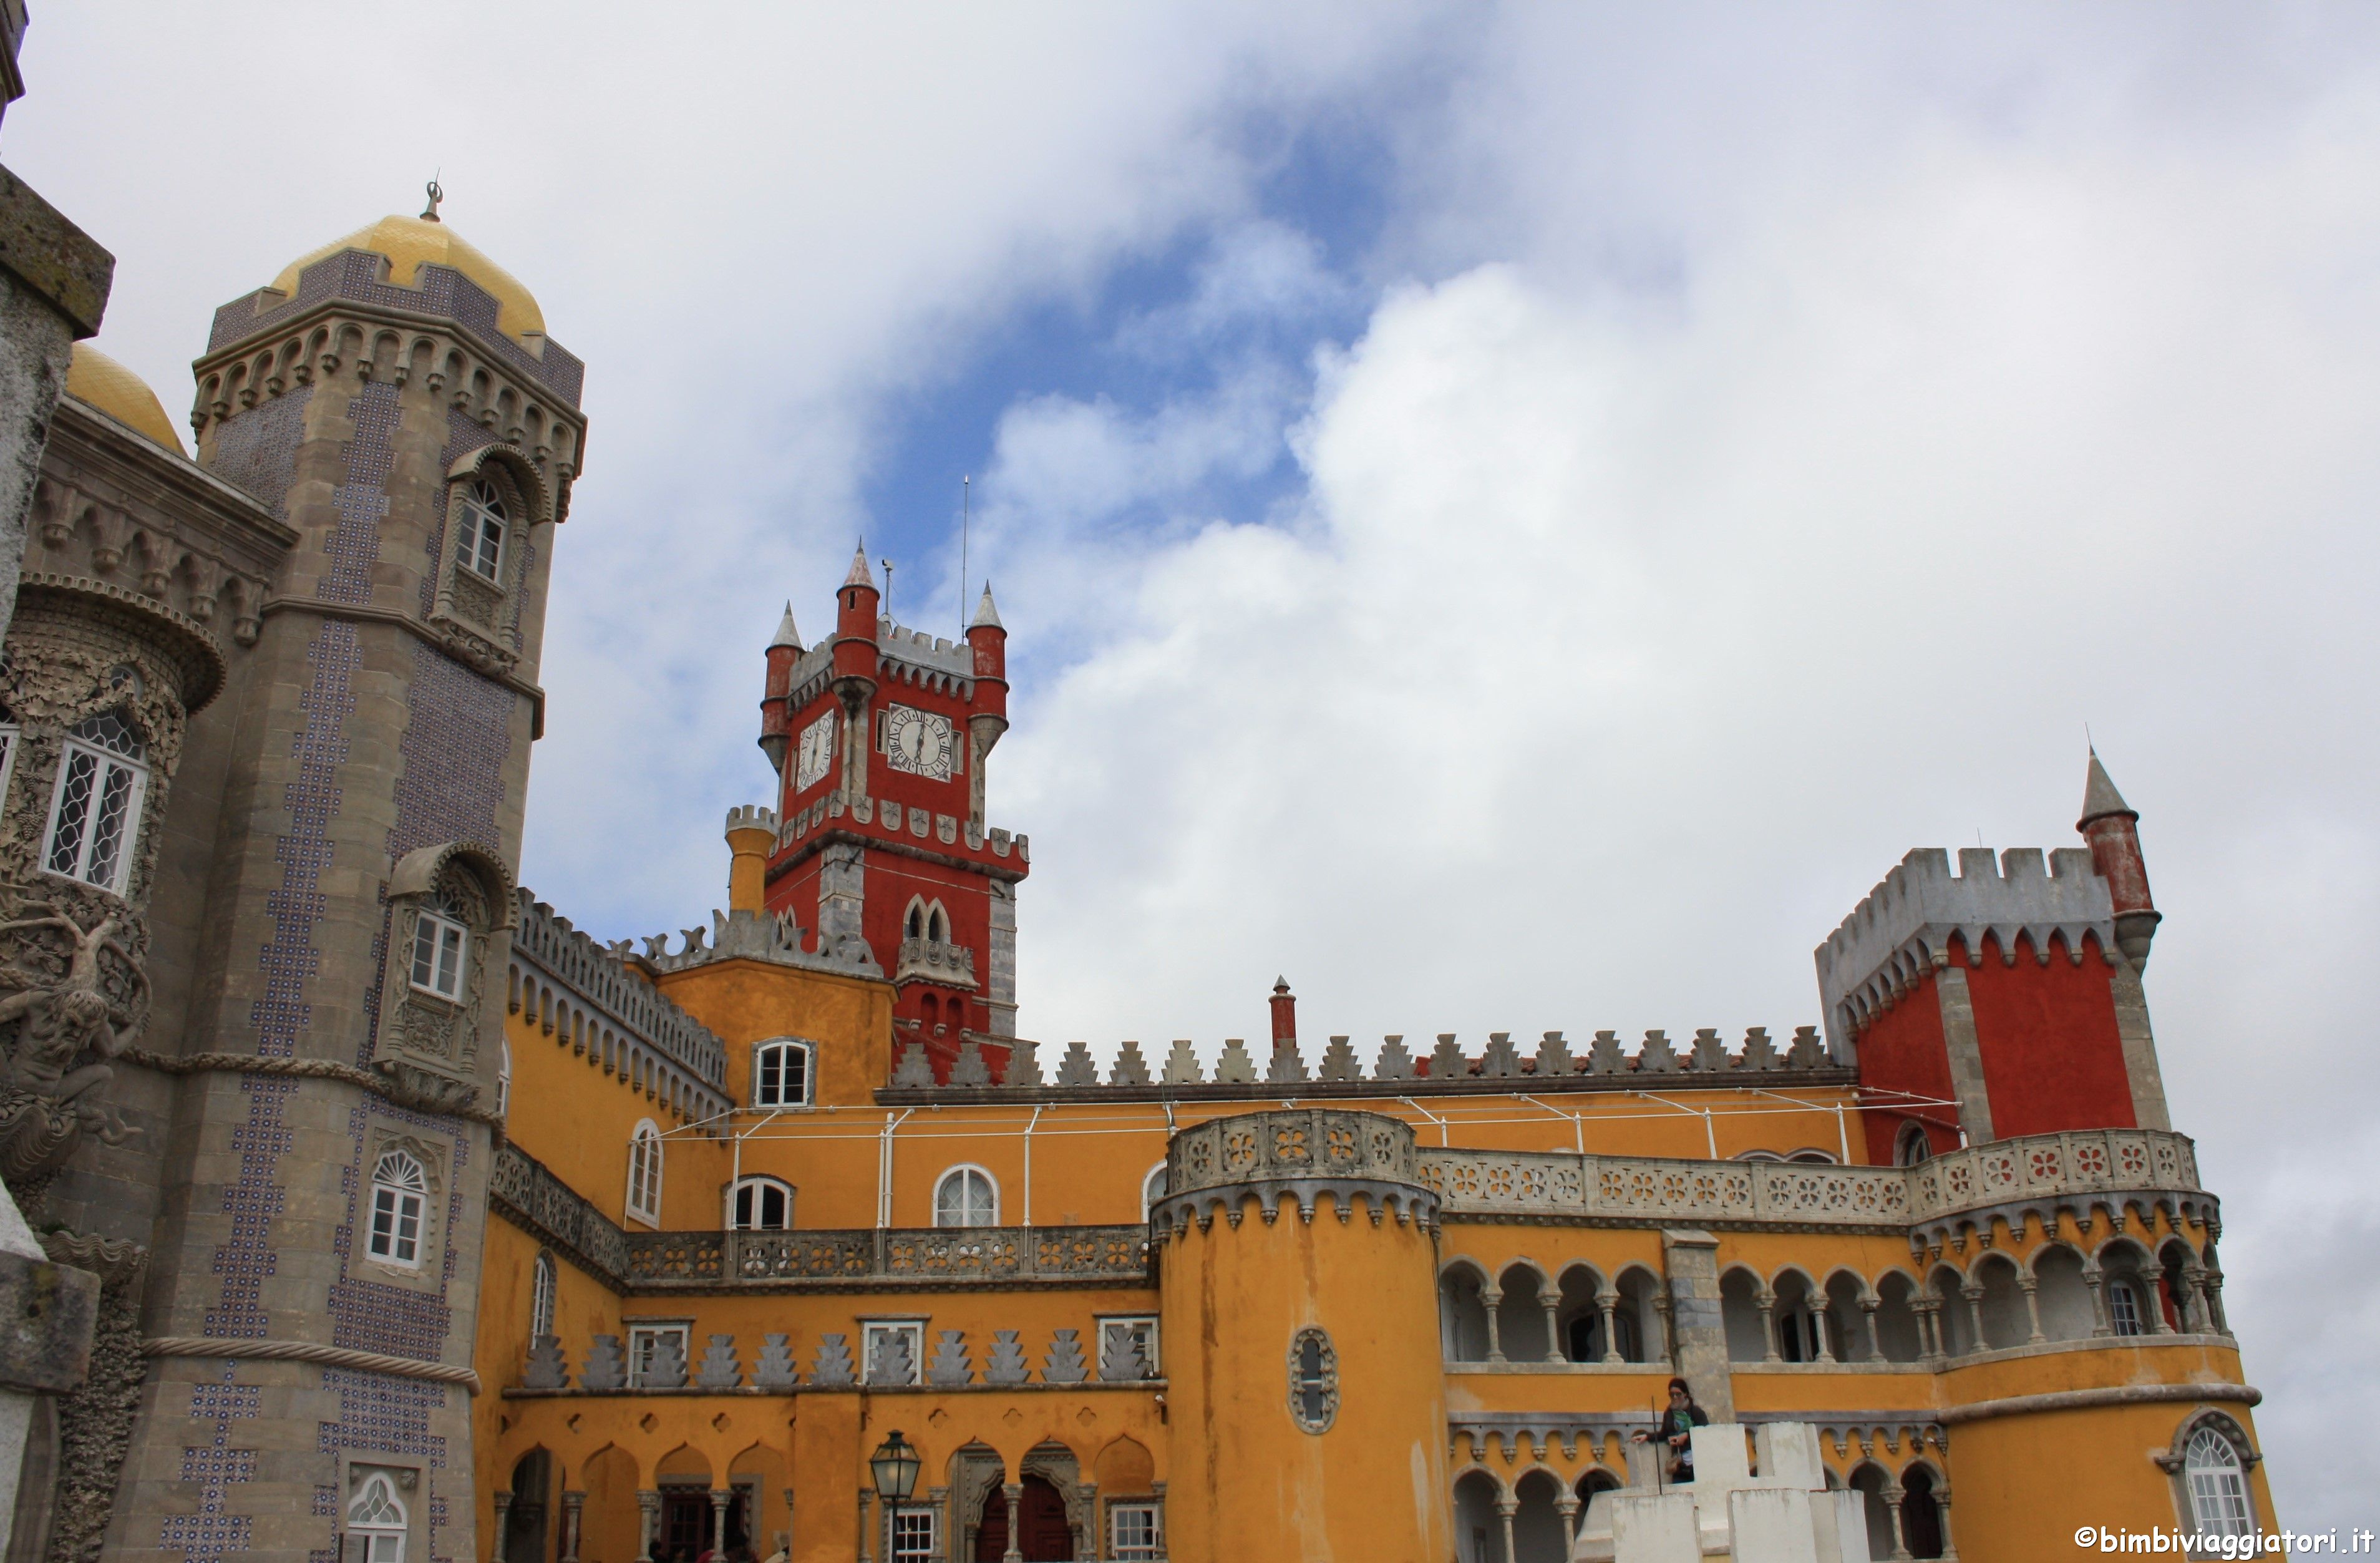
460 585
645 1337
425 1270
12 738
382 1541
1313 1387
484 510
398 1217
454 885
2175 1461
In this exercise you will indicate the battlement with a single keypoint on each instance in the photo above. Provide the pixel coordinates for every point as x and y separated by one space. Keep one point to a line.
1903 927
924 652
585 988
745 935
1704 1061
752 816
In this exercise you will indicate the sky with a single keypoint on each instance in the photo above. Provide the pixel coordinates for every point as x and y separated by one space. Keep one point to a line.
1511 517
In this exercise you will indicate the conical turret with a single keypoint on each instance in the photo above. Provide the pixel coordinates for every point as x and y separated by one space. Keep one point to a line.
2112 826
775 717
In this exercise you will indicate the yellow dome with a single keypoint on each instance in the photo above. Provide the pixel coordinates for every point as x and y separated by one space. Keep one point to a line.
409 241
99 381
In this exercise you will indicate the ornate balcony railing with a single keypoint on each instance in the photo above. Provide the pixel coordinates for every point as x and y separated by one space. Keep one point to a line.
2037 1175
864 1258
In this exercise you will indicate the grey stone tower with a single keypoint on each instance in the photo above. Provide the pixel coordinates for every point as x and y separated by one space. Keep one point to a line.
327 964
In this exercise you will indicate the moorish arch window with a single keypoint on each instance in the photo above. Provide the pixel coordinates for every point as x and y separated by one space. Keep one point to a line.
2218 1486
376 1520
541 1288
95 811
440 942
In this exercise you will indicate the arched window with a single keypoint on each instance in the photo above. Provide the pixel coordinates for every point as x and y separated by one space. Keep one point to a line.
1914 1146
645 1173
376 1520
479 541
440 941
916 929
2218 1488
760 1204
542 1285
400 1192
503 1076
1313 1381
95 813
781 1074
966 1197
934 924
1152 1189
1813 1157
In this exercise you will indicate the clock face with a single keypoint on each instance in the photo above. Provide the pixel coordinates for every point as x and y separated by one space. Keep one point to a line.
918 741
816 753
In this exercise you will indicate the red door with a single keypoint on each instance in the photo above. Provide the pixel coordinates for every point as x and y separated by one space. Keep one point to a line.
1044 1536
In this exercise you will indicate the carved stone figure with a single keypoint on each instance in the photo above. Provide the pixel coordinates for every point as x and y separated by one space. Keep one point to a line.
47 1099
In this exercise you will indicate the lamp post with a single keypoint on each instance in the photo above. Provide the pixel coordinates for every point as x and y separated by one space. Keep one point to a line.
894 1465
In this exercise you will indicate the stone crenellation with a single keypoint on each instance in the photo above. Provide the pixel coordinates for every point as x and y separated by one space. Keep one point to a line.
748 935
588 995
1902 929
1395 1072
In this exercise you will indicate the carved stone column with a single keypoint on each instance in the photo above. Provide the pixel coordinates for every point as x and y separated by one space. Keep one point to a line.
1942 1517
1765 1300
1567 1506
1491 1299
2192 1305
573 1505
2096 1279
503 1512
1506 1507
1550 1301
2153 1282
1608 1303
1868 1305
649 1515
1974 1292
719 1497
865 1499
1819 1318
1893 1494
2214 1287
2030 1287
1015 1553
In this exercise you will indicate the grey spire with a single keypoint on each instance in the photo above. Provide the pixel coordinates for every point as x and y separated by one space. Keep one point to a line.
860 575
786 634
986 616
2100 798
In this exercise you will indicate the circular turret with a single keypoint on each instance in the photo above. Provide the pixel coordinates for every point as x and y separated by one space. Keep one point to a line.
1302 1357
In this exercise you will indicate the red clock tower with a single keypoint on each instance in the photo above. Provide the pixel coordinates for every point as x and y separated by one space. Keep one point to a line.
880 736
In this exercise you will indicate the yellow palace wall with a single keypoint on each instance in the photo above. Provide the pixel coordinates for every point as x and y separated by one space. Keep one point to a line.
1215 1434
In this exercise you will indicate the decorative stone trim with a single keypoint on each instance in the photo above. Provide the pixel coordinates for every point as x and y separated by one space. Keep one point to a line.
444 637
2083 1399
521 1189
415 1090
306 1352
202 669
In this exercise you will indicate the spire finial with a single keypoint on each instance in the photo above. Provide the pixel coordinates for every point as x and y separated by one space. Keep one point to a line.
859 575
987 617
2100 798
436 194
786 634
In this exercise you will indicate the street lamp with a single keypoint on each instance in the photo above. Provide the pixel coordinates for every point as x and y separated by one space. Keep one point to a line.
895 1465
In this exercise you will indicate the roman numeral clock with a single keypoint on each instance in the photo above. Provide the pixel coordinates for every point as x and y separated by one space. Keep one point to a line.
919 742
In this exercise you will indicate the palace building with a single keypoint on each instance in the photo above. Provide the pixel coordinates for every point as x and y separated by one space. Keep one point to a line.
415 1224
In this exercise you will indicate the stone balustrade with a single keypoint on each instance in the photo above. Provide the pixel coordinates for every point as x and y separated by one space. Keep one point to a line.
868 1259
935 961
665 1359
2032 1177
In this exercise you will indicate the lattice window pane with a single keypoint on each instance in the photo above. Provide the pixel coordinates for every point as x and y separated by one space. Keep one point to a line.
118 786
73 812
1133 1534
913 1535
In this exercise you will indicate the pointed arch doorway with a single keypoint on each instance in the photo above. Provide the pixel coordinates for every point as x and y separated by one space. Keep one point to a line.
1043 1533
